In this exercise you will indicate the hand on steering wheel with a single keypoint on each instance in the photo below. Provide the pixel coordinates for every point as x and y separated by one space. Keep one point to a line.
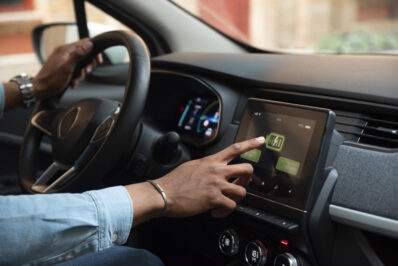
88 137
57 72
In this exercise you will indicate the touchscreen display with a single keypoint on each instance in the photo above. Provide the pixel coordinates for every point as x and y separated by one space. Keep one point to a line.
284 165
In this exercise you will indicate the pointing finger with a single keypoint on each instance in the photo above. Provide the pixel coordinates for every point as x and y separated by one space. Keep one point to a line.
99 59
228 154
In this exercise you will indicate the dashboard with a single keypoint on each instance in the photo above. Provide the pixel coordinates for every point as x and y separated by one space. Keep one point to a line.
321 193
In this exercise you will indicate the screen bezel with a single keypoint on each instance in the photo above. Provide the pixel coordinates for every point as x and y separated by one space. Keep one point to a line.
320 115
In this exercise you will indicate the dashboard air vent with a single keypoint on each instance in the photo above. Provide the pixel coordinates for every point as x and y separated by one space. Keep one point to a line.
380 131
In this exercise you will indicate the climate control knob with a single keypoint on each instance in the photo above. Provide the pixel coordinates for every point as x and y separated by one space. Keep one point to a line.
285 259
256 254
228 242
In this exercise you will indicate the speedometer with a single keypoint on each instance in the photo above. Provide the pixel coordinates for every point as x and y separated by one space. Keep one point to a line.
199 118
208 121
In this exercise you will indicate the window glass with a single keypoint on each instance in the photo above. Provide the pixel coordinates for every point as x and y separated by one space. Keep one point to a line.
96 15
304 26
99 22
17 19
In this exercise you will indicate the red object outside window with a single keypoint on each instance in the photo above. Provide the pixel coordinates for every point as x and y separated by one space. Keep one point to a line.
16 5
231 17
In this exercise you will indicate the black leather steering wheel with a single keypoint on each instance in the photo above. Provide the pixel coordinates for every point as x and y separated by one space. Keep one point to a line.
88 137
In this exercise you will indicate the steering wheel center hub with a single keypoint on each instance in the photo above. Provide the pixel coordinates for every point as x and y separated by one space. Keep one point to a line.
76 126
67 122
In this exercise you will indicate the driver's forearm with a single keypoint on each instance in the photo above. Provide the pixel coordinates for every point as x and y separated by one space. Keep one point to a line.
147 202
49 228
12 95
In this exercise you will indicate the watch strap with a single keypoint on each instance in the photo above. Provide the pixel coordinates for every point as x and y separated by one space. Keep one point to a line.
26 87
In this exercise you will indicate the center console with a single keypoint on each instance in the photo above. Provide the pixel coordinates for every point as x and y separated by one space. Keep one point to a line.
270 227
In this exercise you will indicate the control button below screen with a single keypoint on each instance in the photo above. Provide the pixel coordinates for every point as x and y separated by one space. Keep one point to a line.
285 259
256 254
228 242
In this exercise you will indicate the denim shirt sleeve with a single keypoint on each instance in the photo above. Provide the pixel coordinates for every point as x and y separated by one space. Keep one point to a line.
2 100
48 229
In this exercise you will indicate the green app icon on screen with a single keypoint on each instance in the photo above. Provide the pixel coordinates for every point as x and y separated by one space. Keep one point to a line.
252 155
274 141
288 166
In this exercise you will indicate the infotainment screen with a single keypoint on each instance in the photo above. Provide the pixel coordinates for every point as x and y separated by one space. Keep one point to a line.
285 164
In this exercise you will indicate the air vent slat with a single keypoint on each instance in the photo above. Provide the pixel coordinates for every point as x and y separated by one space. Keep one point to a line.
373 130
370 136
351 125
367 118
349 137
380 130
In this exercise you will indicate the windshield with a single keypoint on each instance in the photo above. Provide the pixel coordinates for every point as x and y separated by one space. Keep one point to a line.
304 26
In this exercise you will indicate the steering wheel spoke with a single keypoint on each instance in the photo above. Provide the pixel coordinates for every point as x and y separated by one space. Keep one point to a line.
46 180
44 121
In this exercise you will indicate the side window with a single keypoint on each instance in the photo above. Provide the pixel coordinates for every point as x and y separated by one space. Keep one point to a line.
99 22
17 19
104 21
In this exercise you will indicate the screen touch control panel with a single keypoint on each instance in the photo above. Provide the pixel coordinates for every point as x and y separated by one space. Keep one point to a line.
284 167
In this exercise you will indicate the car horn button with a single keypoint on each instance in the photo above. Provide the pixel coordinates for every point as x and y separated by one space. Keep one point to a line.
67 122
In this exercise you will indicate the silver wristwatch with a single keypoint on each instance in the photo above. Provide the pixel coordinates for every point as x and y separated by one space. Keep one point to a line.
26 87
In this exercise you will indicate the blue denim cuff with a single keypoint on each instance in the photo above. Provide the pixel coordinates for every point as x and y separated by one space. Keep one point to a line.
115 215
2 99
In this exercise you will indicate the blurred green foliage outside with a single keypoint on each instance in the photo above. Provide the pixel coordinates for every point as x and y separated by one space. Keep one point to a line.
358 42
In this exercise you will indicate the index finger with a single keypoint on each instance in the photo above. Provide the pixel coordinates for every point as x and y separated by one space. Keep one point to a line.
99 58
228 154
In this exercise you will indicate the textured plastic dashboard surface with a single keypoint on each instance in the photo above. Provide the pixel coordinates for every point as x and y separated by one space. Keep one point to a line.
367 181
372 78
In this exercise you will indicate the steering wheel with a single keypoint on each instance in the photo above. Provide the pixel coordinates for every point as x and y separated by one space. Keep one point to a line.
88 137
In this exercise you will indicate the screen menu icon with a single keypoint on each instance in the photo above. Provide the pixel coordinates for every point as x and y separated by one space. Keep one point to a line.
252 155
288 166
274 141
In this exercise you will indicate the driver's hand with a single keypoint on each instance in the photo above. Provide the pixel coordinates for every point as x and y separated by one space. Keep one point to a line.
201 185
56 73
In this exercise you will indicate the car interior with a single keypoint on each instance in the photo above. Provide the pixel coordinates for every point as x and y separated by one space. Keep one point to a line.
173 89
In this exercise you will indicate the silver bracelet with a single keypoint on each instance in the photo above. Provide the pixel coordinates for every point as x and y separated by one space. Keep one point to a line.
161 191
